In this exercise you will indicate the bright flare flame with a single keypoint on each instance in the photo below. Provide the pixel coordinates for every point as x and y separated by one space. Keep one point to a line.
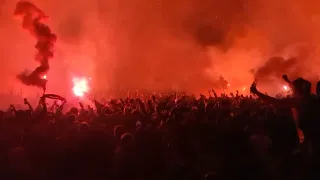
80 86
244 88
44 77
286 88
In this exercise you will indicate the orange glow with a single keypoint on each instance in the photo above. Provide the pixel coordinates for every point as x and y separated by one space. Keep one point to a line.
286 88
80 86
192 47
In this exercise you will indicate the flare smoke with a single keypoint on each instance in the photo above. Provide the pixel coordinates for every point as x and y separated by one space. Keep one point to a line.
31 21
275 67
170 44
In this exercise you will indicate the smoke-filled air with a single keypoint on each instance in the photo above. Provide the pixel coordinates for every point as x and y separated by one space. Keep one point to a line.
157 45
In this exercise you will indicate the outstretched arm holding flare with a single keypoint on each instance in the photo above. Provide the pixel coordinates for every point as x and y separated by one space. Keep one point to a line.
26 102
290 102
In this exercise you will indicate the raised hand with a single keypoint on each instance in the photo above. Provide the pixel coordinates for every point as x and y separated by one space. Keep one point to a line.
25 100
285 77
253 87
81 105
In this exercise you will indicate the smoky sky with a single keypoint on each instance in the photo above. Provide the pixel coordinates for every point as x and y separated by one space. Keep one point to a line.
71 33
164 44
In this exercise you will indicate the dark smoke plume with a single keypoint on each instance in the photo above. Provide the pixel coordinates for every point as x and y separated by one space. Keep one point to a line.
294 66
275 67
31 21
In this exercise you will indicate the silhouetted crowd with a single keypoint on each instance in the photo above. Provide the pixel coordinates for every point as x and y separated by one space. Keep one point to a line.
172 136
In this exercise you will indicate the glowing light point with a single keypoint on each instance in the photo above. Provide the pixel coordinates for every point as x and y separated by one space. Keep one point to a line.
80 86
286 88
44 77
228 85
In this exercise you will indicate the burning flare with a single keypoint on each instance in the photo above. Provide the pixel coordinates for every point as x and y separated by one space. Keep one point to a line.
285 88
31 21
80 86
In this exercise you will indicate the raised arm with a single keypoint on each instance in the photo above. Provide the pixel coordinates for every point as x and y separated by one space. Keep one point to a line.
26 102
271 100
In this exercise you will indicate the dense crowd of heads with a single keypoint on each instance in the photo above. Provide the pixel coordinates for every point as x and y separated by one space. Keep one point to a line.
165 136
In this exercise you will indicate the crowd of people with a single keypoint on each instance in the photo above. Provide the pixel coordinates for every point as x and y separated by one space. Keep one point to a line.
165 136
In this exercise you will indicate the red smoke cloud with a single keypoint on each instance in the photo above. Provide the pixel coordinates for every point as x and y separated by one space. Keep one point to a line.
164 44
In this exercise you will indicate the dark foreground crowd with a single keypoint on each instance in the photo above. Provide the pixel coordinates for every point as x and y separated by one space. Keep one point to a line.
166 137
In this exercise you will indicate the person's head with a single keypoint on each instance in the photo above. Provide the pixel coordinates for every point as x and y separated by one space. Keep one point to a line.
127 140
83 127
301 87
118 131
74 111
